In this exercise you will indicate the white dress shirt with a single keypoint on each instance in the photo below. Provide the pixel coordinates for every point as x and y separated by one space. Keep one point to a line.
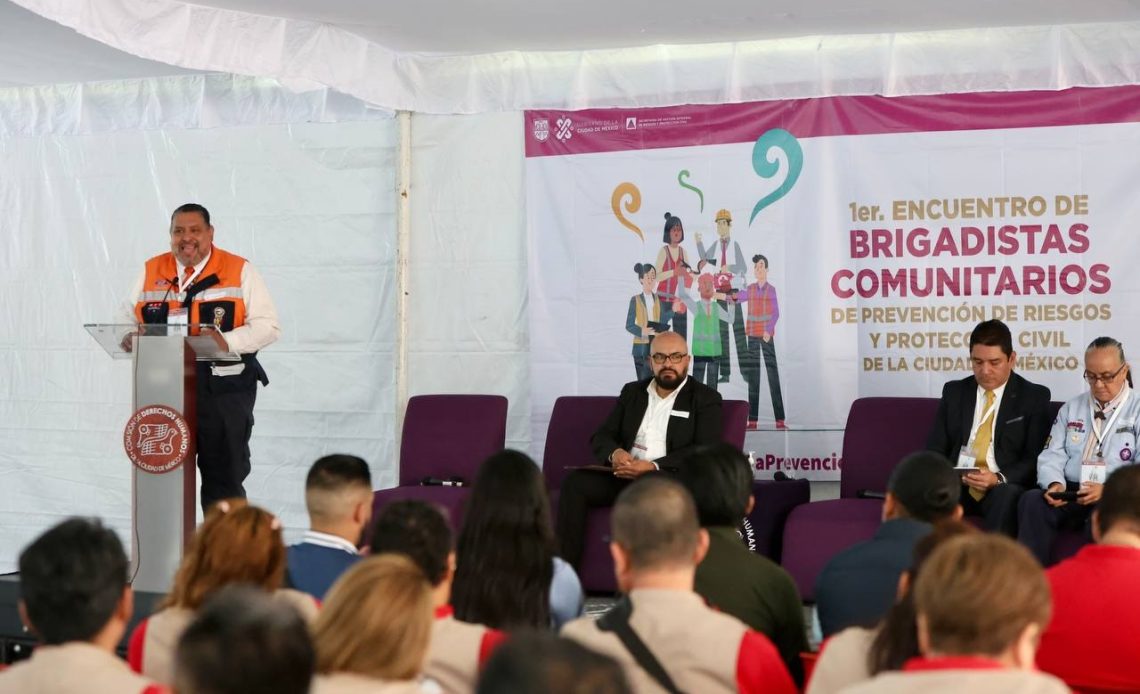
650 441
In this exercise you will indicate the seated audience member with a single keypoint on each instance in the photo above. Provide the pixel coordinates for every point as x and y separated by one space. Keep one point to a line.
859 585
1091 641
1094 434
421 532
542 663
995 421
857 654
506 574
746 585
372 634
981 603
75 599
237 544
662 633
243 641
338 496
654 422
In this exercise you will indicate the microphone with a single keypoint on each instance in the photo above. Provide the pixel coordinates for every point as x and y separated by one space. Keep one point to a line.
437 482
157 311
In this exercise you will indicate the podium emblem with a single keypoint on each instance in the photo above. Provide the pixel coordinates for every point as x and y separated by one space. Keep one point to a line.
157 439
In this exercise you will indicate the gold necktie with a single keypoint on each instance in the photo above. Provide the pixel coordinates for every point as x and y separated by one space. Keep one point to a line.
982 440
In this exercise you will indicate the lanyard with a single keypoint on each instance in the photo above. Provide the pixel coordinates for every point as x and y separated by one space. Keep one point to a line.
183 283
1100 437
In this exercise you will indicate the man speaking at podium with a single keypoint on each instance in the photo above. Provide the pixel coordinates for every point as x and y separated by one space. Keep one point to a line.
197 282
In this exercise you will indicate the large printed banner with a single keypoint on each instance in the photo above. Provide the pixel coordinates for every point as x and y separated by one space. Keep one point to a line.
816 251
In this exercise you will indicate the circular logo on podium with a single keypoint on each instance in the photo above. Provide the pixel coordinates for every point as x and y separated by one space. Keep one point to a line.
157 439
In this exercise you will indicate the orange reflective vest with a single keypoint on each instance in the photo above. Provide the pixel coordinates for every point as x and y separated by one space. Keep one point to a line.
220 304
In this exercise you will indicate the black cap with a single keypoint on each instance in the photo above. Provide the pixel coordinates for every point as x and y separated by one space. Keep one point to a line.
926 485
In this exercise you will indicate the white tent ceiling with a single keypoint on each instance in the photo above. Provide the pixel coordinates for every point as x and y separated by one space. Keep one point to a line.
450 56
490 26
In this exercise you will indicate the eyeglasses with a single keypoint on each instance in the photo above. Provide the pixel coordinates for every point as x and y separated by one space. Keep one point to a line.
674 358
1093 379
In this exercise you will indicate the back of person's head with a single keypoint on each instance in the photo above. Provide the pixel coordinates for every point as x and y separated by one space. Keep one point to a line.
654 523
925 487
992 333
719 478
335 486
242 641
896 639
233 545
72 580
418 530
1119 507
505 552
376 620
981 594
542 663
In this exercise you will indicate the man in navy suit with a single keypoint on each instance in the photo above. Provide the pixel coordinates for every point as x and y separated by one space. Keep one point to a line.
654 423
338 495
995 421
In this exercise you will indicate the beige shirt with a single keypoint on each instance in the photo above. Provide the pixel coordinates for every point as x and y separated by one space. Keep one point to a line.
843 662
73 667
959 682
697 645
349 683
453 656
164 628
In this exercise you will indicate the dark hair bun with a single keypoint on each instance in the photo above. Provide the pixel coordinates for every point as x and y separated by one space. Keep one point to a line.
668 215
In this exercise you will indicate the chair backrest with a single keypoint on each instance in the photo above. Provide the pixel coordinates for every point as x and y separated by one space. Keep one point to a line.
450 435
734 418
573 422
879 433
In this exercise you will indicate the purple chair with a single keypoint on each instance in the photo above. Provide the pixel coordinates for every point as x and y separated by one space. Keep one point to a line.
572 422
446 436
879 433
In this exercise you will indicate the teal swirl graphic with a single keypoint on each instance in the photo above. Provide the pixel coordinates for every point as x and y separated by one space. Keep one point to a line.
767 166
684 174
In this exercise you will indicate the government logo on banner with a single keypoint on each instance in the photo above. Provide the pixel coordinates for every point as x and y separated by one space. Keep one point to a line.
157 439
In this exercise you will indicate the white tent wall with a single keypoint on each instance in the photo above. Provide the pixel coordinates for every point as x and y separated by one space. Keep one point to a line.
310 204
467 328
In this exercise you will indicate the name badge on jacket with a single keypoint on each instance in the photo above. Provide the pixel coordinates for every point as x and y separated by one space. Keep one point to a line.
679 413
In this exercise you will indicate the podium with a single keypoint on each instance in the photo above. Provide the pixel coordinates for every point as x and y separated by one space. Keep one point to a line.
159 438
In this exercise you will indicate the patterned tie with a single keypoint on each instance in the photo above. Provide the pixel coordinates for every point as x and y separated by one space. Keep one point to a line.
186 275
982 441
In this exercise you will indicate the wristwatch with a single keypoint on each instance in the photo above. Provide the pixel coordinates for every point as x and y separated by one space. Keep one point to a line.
1001 478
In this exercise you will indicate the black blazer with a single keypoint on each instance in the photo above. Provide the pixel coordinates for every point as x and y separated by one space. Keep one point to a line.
703 425
1019 434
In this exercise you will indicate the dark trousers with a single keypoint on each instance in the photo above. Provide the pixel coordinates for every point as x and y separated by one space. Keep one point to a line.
641 361
680 323
998 508
751 367
1039 522
225 422
705 370
582 490
739 337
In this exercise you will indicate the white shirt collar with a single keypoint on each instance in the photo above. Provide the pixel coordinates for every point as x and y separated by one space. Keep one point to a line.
197 268
313 537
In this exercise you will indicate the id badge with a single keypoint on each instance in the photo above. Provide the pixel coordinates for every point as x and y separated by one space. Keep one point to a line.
966 459
1093 471
178 316
639 450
